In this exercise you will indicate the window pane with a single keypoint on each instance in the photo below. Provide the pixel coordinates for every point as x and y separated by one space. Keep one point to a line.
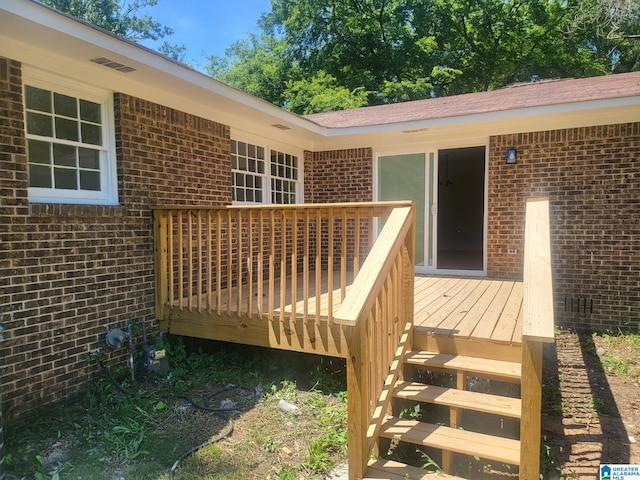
240 195
90 111
64 155
260 153
89 180
91 134
242 148
66 129
39 152
38 99
65 105
234 146
88 158
234 161
39 176
65 178
239 180
38 124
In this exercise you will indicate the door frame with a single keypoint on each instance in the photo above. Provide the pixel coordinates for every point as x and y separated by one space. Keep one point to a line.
431 191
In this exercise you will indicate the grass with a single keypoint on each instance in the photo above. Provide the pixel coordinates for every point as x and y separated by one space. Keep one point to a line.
106 435
619 354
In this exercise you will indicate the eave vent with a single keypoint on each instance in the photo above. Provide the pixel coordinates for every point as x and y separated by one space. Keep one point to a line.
107 62
280 126
416 130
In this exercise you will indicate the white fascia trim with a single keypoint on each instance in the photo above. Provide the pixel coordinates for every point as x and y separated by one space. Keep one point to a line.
487 117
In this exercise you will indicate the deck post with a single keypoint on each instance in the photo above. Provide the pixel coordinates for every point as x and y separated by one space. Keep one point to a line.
357 399
537 329
161 263
530 421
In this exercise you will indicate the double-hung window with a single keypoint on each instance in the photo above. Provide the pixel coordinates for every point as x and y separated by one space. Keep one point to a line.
263 175
69 145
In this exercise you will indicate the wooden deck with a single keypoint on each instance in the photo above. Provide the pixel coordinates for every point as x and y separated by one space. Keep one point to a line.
458 308
472 308
369 308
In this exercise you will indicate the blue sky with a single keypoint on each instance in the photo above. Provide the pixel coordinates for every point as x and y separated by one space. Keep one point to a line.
207 27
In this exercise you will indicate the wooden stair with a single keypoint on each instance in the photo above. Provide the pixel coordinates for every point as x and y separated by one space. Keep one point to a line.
390 470
451 439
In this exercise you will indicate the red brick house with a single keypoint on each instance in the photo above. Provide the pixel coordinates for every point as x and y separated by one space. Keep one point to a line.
96 130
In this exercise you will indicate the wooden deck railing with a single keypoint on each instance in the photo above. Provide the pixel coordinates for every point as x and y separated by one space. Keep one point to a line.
379 311
309 263
212 259
537 329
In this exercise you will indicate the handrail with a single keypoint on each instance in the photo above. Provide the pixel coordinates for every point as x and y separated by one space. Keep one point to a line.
538 288
367 284
537 329
378 310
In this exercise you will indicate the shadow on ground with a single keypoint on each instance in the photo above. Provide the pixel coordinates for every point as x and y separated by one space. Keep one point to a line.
581 421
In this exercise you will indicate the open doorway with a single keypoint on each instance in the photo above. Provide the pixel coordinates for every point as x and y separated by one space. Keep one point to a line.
461 184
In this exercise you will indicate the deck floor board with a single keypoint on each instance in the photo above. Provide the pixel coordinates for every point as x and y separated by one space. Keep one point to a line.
473 308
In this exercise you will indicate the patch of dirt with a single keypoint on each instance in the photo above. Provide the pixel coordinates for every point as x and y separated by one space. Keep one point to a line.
270 442
591 417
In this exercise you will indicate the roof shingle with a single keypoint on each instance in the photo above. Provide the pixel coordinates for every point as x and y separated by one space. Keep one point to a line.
535 94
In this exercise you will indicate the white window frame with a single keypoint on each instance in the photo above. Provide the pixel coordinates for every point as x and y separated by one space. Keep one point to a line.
270 147
108 195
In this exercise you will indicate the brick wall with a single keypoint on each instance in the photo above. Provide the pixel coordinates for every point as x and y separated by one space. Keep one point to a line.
68 273
591 177
339 176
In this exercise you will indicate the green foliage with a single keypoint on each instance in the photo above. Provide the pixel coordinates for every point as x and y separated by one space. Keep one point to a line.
550 463
322 93
332 420
430 464
318 55
122 19
620 354
138 436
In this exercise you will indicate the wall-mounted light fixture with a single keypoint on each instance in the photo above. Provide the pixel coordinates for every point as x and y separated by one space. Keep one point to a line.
512 155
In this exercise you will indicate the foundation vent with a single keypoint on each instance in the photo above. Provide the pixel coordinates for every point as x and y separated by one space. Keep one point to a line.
581 306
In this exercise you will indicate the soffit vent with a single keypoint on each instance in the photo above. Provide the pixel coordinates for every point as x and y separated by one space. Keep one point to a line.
416 130
280 126
107 62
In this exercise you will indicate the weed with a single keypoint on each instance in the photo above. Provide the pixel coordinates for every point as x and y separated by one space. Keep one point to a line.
600 406
620 354
39 473
138 436
332 420
549 461
430 463
287 472
413 411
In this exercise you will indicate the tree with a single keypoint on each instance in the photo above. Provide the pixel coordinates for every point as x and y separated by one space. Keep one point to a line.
609 30
122 20
398 50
